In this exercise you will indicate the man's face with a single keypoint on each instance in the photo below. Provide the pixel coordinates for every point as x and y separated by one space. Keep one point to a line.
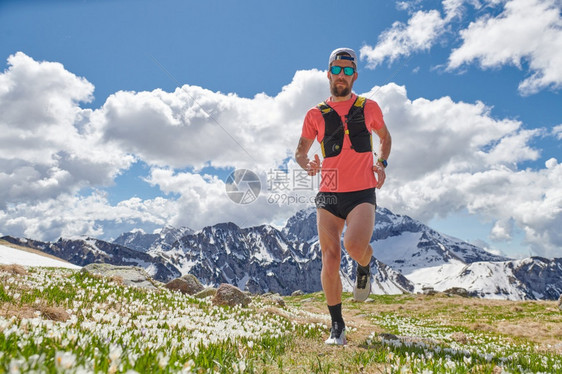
341 84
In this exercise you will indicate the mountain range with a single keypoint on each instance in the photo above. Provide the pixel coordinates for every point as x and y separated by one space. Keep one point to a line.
408 257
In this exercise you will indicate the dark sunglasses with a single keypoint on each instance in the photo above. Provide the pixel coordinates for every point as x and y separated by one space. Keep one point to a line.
348 70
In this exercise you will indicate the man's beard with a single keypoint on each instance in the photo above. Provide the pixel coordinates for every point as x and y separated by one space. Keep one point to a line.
339 91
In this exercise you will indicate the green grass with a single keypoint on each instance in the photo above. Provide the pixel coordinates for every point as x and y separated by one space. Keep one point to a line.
113 328
96 325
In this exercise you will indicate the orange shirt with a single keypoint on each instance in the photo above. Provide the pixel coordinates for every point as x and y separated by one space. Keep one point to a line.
350 170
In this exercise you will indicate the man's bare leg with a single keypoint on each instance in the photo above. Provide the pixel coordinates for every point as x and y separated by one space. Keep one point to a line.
360 223
330 229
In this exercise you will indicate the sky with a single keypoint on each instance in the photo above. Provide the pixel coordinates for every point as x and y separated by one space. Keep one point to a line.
124 115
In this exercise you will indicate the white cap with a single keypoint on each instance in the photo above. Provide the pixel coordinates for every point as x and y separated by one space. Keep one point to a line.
334 55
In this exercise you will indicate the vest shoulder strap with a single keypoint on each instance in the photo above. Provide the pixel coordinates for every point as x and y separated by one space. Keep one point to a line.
324 108
360 102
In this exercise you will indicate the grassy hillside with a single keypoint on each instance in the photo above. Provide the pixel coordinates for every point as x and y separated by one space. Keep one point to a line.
59 320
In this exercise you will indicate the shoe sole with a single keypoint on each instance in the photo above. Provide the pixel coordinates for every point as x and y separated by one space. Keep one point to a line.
335 342
362 295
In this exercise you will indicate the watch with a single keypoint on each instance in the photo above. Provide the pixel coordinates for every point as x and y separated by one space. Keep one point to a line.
383 162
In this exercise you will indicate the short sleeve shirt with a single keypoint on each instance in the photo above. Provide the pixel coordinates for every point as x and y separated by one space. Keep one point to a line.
349 171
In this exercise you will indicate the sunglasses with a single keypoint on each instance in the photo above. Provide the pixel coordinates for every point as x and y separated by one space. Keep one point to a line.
348 70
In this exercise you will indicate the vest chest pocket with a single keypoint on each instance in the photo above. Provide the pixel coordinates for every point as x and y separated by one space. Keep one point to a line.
332 143
360 137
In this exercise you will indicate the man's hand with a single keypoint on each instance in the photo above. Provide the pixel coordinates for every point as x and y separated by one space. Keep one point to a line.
381 174
314 166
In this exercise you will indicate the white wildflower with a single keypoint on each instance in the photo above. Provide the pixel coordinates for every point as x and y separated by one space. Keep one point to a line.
162 360
15 366
188 366
64 360
115 352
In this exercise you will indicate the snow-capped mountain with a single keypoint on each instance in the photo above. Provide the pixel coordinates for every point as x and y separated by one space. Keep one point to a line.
161 239
302 232
408 256
83 251
258 259
424 257
530 278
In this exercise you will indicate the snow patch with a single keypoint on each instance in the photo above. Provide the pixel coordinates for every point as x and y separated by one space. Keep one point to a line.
9 255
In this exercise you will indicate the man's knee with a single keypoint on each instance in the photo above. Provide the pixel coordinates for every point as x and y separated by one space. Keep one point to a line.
331 257
353 243
356 248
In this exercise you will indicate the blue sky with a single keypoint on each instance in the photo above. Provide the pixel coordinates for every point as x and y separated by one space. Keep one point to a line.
132 114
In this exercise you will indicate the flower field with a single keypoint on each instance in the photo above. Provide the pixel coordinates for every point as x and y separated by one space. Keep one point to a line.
66 321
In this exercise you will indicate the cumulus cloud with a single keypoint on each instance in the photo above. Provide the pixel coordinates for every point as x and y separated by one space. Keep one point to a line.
557 132
195 127
525 34
203 199
446 156
419 34
52 150
525 31
456 133
72 215
449 156
45 149
502 230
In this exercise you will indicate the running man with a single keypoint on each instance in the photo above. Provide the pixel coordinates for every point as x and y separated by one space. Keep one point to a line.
343 125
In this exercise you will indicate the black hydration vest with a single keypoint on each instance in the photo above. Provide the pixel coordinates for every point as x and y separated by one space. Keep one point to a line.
361 140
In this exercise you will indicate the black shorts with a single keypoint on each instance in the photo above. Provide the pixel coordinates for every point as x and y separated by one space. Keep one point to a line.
341 203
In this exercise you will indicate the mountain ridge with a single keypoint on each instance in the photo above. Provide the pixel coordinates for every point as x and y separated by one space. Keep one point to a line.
408 256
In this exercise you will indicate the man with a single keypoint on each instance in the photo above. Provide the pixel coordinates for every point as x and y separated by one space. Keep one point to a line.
343 125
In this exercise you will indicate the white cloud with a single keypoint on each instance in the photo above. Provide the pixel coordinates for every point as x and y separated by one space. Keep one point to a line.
526 31
44 172
401 40
446 156
421 32
454 8
557 132
449 156
455 133
502 230
45 151
71 215
193 126
203 199
526 34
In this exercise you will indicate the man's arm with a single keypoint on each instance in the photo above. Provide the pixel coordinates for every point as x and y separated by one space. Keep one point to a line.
301 156
384 151
385 142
